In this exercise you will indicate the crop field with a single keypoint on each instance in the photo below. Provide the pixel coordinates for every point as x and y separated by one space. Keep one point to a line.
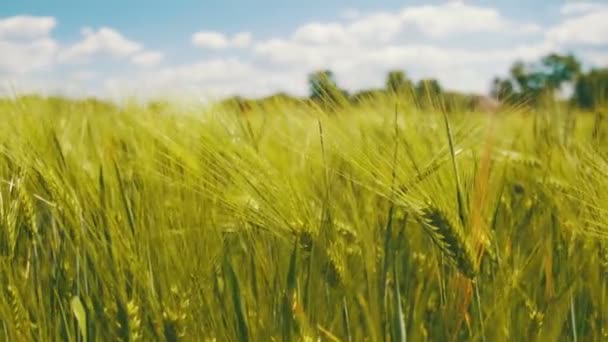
380 221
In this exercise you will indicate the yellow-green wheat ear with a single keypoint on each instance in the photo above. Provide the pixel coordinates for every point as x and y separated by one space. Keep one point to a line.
449 237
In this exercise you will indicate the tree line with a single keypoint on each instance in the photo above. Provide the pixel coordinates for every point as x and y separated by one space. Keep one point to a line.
526 83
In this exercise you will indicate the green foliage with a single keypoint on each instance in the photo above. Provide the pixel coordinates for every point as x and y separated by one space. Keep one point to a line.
81 316
324 90
428 88
397 82
502 89
560 69
369 96
150 223
531 83
591 89
428 93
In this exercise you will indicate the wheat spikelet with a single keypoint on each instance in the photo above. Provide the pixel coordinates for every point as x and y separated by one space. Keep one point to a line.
110 313
603 257
557 185
448 236
173 324
134 321
11 227
518 158
178 316
345 232
20 317
3 215
421 176
58 192
28 207
335 267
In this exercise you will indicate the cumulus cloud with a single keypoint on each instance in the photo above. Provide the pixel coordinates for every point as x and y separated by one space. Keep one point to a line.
147 58
430 21
461 44
596 58
84 75
456 17
26 27
217 40
207 79
589 27
23 57
362 49
105 41
110 43
359 50
26 44
320 33
350 13
573 8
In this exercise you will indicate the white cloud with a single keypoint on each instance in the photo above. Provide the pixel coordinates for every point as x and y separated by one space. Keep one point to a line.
361 50
213 40
217 40
25 44
84 75
355 68
430 21
596 58
361 64
104 41
23 57
26 27
242 39
377 27
381 41
350 13
457 17
209 79
580 7
318 33
461 44
588 28
147 58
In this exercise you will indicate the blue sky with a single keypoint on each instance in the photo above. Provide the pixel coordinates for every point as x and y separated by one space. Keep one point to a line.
204 48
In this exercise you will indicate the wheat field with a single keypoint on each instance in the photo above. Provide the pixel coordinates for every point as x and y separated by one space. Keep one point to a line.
293 222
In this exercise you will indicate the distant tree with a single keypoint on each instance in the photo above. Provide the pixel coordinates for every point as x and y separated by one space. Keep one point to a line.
368 95
591 89
323 88
321 83
531 82
453 101
428 92
278 99
502 89
397 82
560 69
520 75
428 87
